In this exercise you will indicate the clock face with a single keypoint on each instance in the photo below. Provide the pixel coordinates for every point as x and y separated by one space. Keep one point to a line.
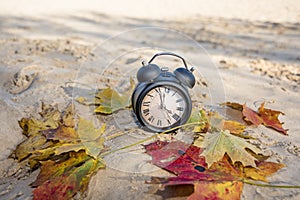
163 106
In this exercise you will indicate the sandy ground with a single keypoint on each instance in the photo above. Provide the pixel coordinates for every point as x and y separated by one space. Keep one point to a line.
53 54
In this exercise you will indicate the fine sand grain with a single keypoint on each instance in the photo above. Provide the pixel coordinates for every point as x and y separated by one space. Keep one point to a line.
53 54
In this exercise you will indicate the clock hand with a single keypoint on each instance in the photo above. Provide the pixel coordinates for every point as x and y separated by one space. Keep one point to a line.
169 111
161 101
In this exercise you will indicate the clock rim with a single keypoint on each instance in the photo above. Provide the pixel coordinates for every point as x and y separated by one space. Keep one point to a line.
148 88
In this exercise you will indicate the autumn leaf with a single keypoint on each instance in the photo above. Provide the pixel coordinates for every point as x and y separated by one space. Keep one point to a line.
233 105
234 127
264 116
270 118
67 150
62 133
29 146
251 116
262 170
110 100
218 143
32 126
87 138
201 117
61 180
223 180
217 191
259 173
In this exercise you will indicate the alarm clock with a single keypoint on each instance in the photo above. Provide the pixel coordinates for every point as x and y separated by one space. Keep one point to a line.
161 99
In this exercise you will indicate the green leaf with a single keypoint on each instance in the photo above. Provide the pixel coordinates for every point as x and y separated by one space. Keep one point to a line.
110 100
199 116
218 143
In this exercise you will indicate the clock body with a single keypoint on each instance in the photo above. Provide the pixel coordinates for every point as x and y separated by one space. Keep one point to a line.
161 104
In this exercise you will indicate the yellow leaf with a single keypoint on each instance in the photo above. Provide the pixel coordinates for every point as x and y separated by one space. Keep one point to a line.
91 139
218 143
68 116
234 127
217 191
263 169
110 100
201 117
86 130
27 147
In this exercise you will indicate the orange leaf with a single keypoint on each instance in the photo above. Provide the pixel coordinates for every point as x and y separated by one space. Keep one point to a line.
259 173
234 127
267 117
263 169
270 118
251 116
233 105
59 188
217 191
62 180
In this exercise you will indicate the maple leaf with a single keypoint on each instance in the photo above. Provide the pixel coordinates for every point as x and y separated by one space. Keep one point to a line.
201 117
216 144
61 180
66 149
87 138
223 180
110 100
251 116
217 191
234 127
270 118
267 117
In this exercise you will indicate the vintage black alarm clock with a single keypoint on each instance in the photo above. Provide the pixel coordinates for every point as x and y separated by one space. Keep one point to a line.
161 100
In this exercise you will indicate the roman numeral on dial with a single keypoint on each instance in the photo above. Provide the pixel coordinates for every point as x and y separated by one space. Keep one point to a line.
179 100
176 117
146 112
151 119
146 103
159 123
179 108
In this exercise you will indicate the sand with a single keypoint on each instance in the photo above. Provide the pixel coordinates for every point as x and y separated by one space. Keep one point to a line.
52 52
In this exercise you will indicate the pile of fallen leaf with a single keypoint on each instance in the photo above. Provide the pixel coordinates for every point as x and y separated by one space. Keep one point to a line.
219 162
69 150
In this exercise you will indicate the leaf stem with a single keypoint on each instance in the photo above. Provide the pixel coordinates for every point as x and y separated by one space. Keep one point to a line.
147 139
269 185
120 133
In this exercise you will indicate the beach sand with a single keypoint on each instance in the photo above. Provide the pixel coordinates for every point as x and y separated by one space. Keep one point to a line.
243 52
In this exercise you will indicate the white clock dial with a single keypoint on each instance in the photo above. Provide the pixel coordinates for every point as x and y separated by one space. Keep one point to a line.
163 106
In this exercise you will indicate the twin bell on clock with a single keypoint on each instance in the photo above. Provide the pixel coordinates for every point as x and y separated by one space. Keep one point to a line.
161 100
